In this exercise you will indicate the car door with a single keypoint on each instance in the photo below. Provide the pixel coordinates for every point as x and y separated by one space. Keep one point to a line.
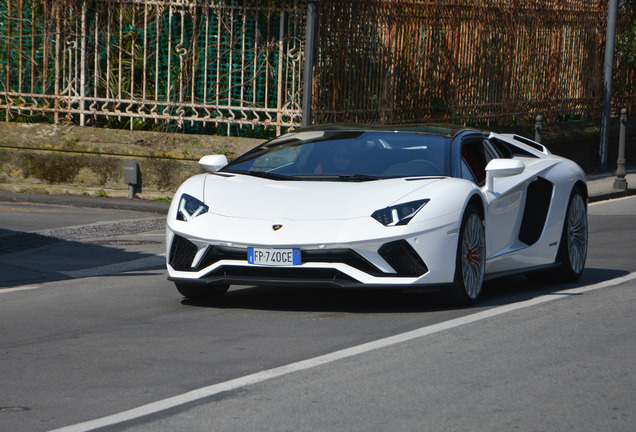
504 203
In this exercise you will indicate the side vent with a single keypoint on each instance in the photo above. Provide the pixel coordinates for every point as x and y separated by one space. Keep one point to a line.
535 213
533 144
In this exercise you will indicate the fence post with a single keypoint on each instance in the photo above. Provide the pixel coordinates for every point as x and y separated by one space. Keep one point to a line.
308 79
82 108
620 182
58 61
538 126
608 67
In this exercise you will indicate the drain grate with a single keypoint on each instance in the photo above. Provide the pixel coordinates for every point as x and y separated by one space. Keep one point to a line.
122 242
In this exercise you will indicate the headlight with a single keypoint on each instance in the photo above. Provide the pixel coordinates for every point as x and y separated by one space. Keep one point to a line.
190 207
399 214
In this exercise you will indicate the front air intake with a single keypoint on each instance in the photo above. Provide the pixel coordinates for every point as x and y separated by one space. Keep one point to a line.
402 257
182 254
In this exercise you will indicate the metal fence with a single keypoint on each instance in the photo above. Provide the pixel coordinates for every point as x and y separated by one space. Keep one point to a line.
235 66
210 66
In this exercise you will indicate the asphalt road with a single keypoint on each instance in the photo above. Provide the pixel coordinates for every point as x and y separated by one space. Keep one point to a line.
121 349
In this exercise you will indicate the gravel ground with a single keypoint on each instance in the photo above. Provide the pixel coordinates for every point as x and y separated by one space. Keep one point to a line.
12 243
106 229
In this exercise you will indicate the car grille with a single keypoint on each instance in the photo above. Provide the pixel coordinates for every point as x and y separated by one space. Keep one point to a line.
266 273
345 256
218 253
402 257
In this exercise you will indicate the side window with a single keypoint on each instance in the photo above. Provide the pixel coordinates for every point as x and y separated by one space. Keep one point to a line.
507 150
501 147
475 156
467 174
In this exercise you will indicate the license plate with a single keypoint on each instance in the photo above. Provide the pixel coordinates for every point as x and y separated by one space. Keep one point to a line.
273 257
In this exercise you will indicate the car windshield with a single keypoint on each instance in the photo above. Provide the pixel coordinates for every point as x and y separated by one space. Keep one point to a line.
347 156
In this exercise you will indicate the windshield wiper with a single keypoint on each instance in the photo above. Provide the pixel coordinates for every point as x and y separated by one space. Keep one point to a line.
262 174
338 177
358 177
335 177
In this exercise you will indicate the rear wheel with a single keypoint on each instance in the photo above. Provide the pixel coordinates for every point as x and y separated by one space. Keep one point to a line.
201 292
572 251
471 260
573 248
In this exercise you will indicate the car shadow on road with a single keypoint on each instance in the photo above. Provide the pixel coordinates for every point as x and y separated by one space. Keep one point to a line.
497 292
28 258
515 289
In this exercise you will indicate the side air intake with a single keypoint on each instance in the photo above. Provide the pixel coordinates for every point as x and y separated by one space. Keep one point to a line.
535 213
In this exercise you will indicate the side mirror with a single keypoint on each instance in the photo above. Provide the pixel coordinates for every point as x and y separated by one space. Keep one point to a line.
502 168
213 163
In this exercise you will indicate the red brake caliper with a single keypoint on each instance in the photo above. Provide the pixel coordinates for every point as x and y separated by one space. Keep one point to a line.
470 256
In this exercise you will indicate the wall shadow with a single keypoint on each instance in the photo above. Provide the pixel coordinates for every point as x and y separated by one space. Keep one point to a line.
28 258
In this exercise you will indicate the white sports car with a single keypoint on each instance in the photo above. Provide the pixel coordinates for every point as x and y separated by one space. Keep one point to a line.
415 208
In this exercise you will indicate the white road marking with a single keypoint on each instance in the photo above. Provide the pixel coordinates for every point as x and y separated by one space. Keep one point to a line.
22 288
205 392
152 261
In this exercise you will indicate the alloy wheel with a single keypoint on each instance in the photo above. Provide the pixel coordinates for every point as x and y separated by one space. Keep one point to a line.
577 233
473 256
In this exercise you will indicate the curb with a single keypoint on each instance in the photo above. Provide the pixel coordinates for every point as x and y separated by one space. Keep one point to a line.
612 195
140 205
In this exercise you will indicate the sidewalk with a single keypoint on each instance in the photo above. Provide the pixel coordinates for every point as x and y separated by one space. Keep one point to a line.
601 187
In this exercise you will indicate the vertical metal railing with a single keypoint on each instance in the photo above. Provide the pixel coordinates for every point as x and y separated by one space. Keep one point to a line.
212 66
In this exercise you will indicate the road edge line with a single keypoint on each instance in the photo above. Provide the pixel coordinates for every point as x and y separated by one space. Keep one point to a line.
126 266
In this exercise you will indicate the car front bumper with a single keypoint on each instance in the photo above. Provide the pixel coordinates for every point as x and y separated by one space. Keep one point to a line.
410 260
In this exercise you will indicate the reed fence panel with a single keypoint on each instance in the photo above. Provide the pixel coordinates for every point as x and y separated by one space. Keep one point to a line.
480 61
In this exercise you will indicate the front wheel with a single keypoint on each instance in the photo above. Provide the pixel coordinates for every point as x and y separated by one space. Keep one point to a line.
201 292
470 263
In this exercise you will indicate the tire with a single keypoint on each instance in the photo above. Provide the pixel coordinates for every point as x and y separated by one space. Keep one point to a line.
201 292
470 263
574 238
572 253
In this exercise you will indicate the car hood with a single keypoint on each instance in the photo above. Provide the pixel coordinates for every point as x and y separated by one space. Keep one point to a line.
244 196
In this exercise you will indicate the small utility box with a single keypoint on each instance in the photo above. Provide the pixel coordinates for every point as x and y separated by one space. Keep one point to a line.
132 177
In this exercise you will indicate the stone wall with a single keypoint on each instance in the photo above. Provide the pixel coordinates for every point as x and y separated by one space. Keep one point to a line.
83 160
